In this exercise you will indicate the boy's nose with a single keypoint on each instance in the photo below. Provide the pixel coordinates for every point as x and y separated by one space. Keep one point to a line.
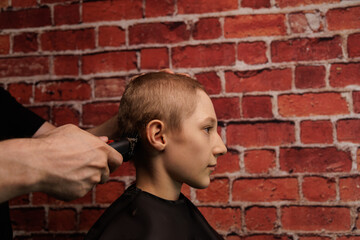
220 148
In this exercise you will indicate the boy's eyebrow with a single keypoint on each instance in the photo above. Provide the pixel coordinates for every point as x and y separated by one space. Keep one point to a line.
210 119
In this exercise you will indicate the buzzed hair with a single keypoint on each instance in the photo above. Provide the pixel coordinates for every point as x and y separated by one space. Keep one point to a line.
159 95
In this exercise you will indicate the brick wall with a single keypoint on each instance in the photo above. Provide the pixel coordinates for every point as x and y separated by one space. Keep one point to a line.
284 76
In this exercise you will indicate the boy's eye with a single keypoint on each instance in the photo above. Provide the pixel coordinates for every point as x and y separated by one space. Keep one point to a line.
207 129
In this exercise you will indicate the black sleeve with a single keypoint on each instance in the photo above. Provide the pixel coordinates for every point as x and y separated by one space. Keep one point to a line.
16 121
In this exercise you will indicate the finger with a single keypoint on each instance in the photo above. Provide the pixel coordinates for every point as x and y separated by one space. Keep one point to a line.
115 159
104 138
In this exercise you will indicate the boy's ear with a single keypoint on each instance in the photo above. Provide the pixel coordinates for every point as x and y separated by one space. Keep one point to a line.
155 134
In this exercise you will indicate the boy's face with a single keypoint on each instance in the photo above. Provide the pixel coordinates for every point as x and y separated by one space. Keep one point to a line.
191 153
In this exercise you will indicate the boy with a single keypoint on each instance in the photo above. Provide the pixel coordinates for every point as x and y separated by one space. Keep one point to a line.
178 143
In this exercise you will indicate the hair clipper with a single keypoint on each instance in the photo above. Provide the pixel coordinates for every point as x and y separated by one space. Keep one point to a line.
125 146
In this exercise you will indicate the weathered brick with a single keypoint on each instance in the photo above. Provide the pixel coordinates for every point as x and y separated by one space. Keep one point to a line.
88 217
62 91
67 14
310 104
65 114
349 188
310 77
298 23
211 81
293 3
20 200
109 87
353 45
217 192
40 198
260 134
68 40
314 238
316 132
42 111
97 113
325 189
259 161
261 25
154 58
25 42
343 18
257 106
4 3
224 104
62 219
258 80
260 218
306 49
207 28
111 36
222 219
111 10
228 162
4 44
109 62
252 52
204 55
265 189
342 75
126 169
24 66
349 237
348 130
36 17
28 219
202 6
109 192
316 218
66 65
356 101
22 92
156 8
317 160
267 237
256 3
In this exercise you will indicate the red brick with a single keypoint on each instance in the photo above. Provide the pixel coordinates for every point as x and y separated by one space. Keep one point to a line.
62 91
227 107
356 101
111 10
260 134
42 111
310 104
154 58
67 14
109 87
309 77
68 40
342 75
349 237
261 25
24 3
42 198
28 219
293 3
62 219
203 6
343 18
111 36
298 23
97 113
349 188
317 160
207 28
88 216
325 189
252 52
109 62
267 237
20 200
256 3
306 49
55 1
265 189
316 218
22 92
258 80
211 81
228 163
4 44
185 189
222 219
65 114
203 55
156 8
126 169
25 42
257 106
217 192
36 17
66 65
24 66
316 132
260 218
4 3
109 192
353 45
163 32
314 238
259 161
348 130
358 159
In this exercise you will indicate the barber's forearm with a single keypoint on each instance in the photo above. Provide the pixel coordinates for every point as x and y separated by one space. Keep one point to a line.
108 128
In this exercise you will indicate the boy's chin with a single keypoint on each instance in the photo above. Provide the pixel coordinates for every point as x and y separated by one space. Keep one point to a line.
200 185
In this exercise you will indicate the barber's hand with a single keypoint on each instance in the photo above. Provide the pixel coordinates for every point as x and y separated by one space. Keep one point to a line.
73 161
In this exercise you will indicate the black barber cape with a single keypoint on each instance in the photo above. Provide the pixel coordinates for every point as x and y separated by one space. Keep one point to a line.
139 215
15 122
